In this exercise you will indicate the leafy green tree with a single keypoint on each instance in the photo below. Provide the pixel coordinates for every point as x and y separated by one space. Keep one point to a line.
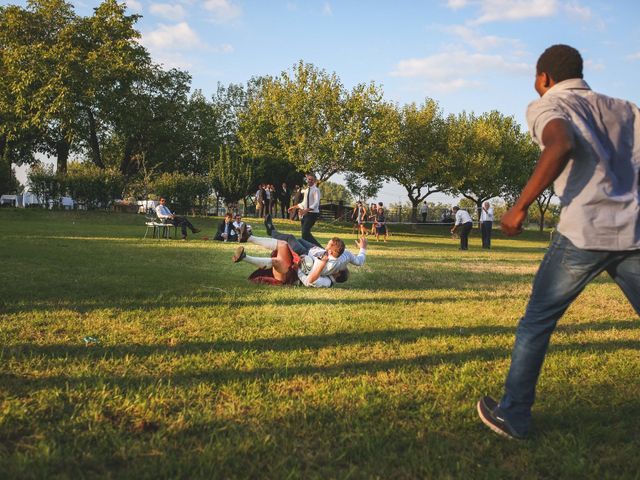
362 187
308 118
484 151
232 176
420 162
330 191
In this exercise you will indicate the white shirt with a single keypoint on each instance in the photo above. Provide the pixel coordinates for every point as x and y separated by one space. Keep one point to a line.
336 264
238 225
598 187
462 216
314 199
324 280
163 212
423 208
486 215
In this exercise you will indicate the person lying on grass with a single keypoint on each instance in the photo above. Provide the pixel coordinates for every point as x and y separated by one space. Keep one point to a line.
339 256
286 267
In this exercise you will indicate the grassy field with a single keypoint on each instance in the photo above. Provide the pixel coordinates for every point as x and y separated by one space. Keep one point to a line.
199 374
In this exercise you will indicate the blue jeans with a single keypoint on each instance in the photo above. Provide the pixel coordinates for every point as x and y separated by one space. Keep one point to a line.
563 274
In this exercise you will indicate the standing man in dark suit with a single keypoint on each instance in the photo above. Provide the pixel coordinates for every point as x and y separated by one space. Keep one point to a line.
309 208
297 198
285 199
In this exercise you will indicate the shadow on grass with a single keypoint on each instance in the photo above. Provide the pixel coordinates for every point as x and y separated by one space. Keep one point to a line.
20 385
306 342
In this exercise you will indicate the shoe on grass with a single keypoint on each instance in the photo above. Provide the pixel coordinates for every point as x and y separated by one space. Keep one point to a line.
239 255
196 230
493 418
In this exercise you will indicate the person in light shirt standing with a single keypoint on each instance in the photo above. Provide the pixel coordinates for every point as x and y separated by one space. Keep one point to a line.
486 224
464 223
163 213
591 151
309 209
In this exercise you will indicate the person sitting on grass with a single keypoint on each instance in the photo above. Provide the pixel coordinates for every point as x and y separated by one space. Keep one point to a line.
163 213
241 227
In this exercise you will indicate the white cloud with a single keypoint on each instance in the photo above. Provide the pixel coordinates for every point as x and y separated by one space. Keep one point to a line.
134 5
173 60
168 11
223 10
634 56
593 65
172 37
583 14
577 11
326 9
510 10
448 65
477 41
457 4
292 7
167 41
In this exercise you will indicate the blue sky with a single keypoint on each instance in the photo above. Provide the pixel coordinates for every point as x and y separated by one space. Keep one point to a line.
473 55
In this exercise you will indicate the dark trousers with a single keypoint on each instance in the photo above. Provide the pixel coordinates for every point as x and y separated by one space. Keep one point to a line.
465 229
485 229
424 218
300 246
307 223
181 222
284 206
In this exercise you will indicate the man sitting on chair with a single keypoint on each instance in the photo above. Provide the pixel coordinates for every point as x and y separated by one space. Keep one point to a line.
163 213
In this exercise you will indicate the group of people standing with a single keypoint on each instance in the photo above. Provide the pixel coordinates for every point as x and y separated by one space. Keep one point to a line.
268 198
464 224
375 215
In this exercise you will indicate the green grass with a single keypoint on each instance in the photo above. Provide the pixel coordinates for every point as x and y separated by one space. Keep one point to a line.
199 374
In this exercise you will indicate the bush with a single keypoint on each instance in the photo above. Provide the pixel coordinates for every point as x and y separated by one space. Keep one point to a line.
44 183
93 186
184 192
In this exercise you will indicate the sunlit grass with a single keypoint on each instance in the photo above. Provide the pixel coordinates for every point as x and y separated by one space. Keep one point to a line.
197 373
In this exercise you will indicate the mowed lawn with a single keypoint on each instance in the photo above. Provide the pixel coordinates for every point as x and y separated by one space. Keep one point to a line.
198 374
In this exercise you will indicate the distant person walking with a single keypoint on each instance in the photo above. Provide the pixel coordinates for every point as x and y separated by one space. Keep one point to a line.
590 148
464 223
486 224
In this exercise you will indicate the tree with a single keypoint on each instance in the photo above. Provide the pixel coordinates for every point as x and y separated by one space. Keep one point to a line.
361 187
232 176
420 163
308 118
334 192
484 151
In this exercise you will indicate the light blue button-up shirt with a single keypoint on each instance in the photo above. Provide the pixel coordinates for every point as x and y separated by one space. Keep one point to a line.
598 188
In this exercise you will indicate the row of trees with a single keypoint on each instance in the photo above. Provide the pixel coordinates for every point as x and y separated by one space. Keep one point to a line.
84 87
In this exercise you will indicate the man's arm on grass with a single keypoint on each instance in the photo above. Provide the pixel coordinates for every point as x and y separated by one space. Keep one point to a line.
558 141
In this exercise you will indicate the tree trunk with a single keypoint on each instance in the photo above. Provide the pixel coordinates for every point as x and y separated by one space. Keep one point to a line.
96 157
125 164
541 226
414 210
479 208
62 154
